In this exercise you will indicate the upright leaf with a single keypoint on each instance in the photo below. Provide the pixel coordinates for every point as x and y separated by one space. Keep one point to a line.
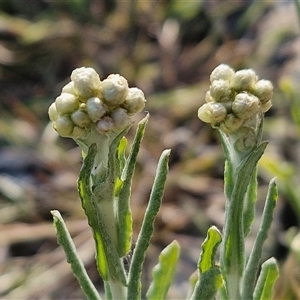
268 276
143 241
108 261
253 263
210 278
124 217
65 240
249 203
163 272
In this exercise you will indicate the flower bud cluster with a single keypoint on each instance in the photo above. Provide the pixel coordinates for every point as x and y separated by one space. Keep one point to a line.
87 103
234 98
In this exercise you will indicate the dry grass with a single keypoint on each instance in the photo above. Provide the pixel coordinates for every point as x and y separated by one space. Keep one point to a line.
168 49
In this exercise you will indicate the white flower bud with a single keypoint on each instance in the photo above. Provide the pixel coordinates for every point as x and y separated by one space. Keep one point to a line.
245 106
80 118
246 139
220 91
231 124
78 132
120 118
212 113
69 88
114 89
208 97
243 80
223 72
86 82
135 101
263 89
105 124
96 108
52 112
66 103
266 106
64 126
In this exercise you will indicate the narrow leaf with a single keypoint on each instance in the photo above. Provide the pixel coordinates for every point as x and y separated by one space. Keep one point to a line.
233 231
209 248
268 276
121 152
210 278
208 284
249 203
124 217
108 261
84 189
134 281
163 272
65 240
253 263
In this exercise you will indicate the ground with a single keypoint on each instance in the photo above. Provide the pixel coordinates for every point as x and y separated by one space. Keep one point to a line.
167 49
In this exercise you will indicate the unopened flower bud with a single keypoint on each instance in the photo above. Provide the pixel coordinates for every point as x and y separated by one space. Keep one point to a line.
212 113
245 105
69 88
105 124
96 108
114 89
246 139
86 82
66 103
52 112
220 91
64 126
243 80
231 124
266 106
223 72
78 132
120 118
208 97
135 101
263 89
80 118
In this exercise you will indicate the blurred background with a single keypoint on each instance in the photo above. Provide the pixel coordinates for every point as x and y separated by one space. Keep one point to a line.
168 49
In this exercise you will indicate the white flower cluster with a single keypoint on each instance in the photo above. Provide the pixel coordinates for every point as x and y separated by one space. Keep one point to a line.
234 98
88 102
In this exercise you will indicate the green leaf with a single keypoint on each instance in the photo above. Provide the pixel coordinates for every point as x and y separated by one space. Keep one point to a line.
193 279
249 203
121 152
268 276
124 217
143 241
209 248
108 261
253 263
233 229
163 272
208 284
234 157
229 177
65 240
84 189
210 278
239 169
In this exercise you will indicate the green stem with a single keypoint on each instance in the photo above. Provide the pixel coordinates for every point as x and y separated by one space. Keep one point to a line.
233 251
117 289
240 166
65 240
